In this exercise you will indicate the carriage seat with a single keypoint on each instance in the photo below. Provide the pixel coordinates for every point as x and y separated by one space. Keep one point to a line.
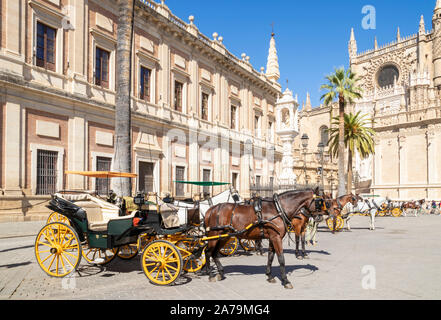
98 211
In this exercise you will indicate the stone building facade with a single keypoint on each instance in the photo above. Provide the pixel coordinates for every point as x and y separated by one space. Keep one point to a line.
198 112
401 84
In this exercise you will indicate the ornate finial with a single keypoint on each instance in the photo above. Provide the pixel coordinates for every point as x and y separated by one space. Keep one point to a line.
272 30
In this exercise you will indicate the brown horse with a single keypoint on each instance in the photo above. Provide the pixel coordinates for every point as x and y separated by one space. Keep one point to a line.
243 221
317 207
338 205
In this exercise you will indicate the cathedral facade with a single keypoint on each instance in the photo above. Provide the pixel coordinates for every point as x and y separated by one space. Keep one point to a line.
401 84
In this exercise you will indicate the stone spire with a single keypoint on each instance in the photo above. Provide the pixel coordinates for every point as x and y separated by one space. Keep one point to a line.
398 35
272 66
375 43
422 29
308 106
352 46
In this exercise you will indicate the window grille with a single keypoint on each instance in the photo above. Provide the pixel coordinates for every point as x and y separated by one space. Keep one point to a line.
46 172
102 184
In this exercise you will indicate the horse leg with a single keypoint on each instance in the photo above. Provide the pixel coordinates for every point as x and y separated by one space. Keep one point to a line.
298 256
270 263
280 256
303 237
348 226
220 268
372 220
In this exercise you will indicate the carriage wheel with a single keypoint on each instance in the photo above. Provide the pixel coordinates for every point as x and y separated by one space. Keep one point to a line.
161 262
57 249
128 251
99 256
339 224
230 247
57 217
191 263
248 245
397 212
381 213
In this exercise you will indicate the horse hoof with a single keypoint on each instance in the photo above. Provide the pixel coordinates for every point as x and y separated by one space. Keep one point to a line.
299 257
212 279
220 277
305 256
271 280
288 286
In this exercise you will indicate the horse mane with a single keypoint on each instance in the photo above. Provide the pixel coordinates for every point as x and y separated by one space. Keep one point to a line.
294 191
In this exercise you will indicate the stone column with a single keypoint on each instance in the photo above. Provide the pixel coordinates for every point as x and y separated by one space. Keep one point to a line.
77 152
14 150
432 174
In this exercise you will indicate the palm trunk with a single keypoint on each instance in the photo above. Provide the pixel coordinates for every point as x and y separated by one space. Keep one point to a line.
341 148
349 190
123 146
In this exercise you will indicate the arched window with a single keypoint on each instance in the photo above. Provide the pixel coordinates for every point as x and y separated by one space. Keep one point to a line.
324 135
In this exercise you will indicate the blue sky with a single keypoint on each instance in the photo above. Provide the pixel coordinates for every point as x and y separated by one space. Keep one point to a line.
312 36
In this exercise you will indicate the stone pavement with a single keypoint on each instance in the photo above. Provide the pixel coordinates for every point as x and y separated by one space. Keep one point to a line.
399 260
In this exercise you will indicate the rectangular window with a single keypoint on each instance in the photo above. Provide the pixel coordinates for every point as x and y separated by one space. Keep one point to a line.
270 132
45 49
233 117
102 184
46 172
180 172
257 126
235 180
102 68
258 181
206 173
144 93
145 177
204 106
178 96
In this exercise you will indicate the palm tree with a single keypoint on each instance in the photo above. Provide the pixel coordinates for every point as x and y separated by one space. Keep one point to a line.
341 86
123 145
358 137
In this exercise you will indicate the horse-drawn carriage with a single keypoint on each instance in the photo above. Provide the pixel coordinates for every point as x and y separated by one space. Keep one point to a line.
169 236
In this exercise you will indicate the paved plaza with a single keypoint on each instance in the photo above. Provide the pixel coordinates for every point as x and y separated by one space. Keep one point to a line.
399 260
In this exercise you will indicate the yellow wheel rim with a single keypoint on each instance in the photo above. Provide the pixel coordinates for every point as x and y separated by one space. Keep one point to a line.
340 223
56 217
396 212
57 249
190 263
128 252
248 245
161 262
230 247
99 256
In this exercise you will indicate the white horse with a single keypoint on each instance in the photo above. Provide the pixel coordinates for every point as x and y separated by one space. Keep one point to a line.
367 206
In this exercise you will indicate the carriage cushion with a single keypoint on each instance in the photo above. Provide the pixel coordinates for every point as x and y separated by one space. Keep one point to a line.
170 215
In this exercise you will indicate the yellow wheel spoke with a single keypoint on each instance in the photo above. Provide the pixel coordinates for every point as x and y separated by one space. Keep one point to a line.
47 258
68 260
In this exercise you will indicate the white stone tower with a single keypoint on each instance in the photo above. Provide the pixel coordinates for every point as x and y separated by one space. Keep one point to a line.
287 127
